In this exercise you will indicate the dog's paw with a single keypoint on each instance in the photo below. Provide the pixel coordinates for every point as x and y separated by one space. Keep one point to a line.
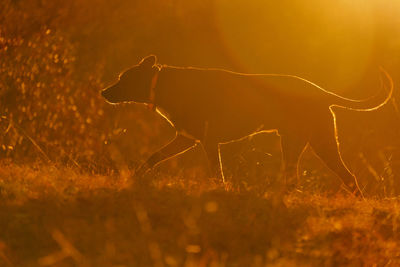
140 178
142 170
352 189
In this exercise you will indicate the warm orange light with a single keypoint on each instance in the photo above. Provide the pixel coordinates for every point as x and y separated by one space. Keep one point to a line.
309 38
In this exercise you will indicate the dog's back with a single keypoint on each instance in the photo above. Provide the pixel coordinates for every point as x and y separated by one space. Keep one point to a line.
215 106
232 105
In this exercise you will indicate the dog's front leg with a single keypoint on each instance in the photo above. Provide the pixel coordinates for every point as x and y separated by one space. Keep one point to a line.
177 146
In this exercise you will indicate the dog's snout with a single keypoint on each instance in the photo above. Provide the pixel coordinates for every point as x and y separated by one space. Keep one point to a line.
110 95
106 94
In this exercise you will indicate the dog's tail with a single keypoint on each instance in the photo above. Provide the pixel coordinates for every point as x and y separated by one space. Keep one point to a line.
371 103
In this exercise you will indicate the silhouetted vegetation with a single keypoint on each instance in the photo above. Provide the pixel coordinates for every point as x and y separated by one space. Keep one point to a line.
68 194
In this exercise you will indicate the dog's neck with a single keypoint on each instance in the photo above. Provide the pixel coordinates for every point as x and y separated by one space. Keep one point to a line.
152 96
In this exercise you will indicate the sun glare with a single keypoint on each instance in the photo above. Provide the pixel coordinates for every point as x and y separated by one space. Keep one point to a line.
268 139
313 36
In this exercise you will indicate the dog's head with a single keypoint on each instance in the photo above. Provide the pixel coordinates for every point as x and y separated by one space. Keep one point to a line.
133 84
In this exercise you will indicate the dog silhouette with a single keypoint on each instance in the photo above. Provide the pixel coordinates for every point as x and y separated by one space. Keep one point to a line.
213 106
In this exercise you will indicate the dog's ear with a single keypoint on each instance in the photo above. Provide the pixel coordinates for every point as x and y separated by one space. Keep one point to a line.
148 61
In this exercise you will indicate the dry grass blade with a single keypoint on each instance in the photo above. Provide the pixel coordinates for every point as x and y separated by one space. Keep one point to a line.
67 250
3 254
23 132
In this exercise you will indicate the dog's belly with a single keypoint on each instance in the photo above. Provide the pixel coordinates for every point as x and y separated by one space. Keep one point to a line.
227 122
231 121
235 125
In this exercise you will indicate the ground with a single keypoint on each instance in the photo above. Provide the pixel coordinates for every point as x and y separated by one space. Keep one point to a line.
68 191
56 216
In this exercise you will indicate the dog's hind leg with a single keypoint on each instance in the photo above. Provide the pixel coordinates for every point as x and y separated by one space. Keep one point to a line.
291 147
214 159
178 145
323 142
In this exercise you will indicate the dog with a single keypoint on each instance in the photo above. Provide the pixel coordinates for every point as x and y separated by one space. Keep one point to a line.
215 106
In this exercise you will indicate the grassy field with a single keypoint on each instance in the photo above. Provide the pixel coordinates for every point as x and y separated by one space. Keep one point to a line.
52 216
68 193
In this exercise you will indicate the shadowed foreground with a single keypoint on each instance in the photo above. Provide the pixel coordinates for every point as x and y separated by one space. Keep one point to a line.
58 217
78 207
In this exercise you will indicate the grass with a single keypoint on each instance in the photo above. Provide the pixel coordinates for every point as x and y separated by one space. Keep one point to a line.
57 216
83 207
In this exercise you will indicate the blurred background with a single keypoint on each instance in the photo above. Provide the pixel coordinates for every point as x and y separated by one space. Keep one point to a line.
57 55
